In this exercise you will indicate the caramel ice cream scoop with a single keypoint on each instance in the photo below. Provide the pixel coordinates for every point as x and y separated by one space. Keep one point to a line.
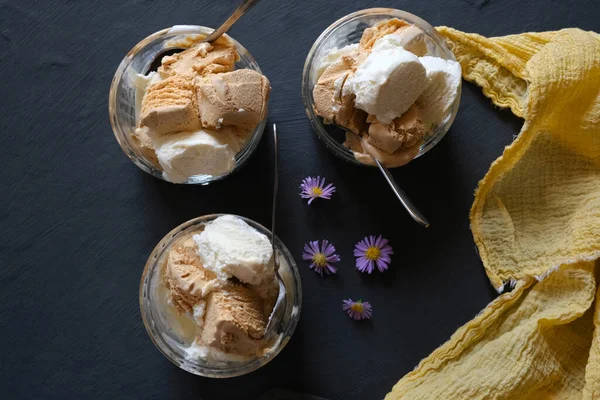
363 150
234 321
186 278
379 30
202 59
330 101
170 106
412 38
404 131
237 98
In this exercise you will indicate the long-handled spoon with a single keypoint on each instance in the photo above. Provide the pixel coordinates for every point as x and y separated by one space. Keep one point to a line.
281 303
408 205
413 211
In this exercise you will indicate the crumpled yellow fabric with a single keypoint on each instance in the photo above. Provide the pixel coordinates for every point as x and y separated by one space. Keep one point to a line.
536 223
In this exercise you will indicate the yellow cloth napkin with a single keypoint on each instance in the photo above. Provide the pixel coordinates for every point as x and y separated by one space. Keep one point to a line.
536 223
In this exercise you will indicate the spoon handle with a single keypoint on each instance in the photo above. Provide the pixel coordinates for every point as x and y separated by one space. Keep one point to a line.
275 190
237 14
410 207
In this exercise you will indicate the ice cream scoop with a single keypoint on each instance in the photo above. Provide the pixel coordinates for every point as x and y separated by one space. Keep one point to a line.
444 78
403 132
330 100
187 278
237 98
410 37
389 81
170 106
234 320
186 154
229 247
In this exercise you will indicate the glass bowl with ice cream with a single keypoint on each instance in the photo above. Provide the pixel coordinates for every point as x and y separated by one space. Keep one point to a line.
207 292
381 82
191 116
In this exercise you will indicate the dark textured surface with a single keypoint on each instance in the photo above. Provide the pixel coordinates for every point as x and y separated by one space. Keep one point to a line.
79 219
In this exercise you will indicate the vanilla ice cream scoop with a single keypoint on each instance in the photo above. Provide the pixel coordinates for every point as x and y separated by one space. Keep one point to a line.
444 80
186 154
228 246
389 81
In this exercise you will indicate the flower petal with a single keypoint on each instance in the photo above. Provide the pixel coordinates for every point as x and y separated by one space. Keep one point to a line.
314 245
381 266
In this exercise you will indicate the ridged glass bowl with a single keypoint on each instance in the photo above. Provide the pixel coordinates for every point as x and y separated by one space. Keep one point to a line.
349 30
163 333
125 100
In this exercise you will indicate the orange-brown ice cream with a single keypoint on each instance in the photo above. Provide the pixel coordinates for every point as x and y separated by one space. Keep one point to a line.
234 321
197 113
187 279
413 38
237 98
363 150
170 106
379 30
330 101
202 59
402 132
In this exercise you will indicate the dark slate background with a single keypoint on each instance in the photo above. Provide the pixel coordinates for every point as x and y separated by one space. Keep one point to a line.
78 219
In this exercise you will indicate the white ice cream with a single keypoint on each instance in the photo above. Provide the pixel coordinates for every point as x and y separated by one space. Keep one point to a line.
211 355
141 82
333 56
389 81
228 246
444 80
186 154
199 310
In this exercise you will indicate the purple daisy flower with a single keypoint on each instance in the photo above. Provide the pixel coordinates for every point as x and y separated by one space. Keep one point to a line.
321 259
371 252
357 309
313 188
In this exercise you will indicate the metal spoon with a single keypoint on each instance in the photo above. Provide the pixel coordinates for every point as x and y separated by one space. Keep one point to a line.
237 14
217 33
281 303
408 205
400 194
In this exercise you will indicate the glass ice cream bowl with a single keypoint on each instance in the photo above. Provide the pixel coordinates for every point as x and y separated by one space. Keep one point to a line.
158 320
348 30
125 98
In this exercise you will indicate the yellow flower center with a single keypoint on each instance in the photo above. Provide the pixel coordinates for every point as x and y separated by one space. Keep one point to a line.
317 191
358 307
319 259
373 253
